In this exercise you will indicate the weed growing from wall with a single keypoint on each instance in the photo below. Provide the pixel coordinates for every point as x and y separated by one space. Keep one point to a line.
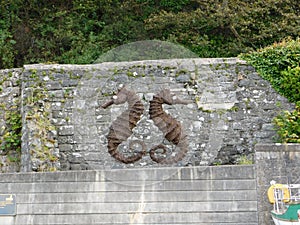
244 160
11 122
42 143
11 139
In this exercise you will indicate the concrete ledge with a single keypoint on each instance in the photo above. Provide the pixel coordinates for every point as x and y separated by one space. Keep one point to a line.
170 62
149 174
187 195
277 147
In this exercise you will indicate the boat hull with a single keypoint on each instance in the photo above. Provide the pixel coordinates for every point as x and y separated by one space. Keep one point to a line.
286 203
289 217
282 222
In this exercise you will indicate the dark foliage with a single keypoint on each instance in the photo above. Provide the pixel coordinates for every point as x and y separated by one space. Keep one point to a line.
79 31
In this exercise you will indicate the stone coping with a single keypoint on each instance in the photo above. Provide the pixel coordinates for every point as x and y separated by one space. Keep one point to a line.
275 147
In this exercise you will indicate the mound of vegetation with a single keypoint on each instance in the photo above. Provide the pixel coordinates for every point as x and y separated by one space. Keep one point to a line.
280 65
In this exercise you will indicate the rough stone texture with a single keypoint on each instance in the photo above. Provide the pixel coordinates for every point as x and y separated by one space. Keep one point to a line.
10 91
181 196
40 150
231 110
279 162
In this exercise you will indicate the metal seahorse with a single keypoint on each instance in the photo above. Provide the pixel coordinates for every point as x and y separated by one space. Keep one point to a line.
170 127
121 128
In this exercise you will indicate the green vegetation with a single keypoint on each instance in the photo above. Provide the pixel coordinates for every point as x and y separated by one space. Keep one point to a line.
42 152
80 31
10 142
288 126
280 65
244 160
11 125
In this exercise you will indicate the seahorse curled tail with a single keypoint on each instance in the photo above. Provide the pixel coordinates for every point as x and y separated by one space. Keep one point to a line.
121 128
170 127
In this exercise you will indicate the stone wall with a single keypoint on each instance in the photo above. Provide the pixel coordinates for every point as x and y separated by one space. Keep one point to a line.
278 162
10 107
229 110
181 196
64 127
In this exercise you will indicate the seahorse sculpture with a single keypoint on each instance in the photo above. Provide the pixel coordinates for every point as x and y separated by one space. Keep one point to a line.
121 128
170 127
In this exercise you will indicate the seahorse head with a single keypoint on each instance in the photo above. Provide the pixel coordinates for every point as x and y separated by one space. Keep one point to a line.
166 96
170 98
123 95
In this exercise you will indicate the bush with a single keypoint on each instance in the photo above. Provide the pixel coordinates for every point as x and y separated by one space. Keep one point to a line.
79 31
6 49
227 28
290 83
7 42
288 126
280 65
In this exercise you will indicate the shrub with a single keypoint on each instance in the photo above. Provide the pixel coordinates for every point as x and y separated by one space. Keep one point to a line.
279 64
7 43
208 28
288 126
11 140
226 28
6 49
290 83
79 31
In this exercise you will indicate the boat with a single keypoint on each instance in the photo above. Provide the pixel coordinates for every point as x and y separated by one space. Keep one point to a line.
286 203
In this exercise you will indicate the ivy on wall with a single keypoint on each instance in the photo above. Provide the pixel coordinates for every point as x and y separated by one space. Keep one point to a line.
41 139
10 121
10 140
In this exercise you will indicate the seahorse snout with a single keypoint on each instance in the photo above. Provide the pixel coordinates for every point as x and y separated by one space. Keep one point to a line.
107 104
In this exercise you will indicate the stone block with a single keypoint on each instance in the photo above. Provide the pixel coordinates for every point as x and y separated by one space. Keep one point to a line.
66 130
